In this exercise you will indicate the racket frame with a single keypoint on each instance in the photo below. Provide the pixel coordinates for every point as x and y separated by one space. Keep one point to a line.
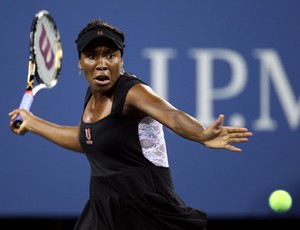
33 71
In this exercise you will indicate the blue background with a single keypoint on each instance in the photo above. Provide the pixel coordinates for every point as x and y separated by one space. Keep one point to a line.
40 179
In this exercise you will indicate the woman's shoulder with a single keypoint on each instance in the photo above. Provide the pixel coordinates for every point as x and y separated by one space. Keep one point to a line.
129 77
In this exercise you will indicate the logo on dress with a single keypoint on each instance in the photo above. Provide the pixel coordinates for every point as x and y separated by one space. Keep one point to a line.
88 136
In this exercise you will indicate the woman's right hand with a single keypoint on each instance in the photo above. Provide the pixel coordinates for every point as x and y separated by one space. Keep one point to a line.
25 115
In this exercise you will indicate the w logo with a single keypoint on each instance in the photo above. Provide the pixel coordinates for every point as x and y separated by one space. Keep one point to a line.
45 48
88 136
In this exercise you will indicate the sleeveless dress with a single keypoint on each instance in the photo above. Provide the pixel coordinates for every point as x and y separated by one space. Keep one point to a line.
130 184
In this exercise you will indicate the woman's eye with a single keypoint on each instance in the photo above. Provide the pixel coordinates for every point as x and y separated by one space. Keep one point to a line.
91 56
110 55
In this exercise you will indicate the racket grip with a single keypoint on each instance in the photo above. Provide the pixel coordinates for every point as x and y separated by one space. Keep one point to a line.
25 104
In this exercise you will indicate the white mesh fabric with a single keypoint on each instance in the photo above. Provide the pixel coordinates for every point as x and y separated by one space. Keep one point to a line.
152 141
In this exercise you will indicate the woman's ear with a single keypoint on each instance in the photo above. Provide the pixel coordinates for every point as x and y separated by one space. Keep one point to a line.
80 69
122 71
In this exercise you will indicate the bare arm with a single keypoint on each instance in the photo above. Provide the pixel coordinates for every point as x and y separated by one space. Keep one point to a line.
215 136
64 136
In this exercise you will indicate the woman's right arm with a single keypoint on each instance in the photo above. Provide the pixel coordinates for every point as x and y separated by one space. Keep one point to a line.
64 136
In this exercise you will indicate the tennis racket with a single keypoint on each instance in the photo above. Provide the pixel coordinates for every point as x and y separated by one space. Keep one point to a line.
45 56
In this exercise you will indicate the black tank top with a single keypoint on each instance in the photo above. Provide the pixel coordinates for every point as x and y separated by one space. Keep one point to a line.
112 143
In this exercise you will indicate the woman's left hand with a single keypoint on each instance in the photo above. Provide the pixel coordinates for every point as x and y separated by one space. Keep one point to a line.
218 136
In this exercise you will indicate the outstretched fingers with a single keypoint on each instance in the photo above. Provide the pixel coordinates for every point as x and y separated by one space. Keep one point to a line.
233 148
239 137
219 121
236 135
238 132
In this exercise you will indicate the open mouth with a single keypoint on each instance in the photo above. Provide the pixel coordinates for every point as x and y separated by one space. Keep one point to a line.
101 79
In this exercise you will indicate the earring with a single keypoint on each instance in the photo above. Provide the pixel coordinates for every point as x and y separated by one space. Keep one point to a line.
79 73
122 71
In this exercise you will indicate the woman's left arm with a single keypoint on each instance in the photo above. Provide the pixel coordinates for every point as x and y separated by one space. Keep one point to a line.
146 100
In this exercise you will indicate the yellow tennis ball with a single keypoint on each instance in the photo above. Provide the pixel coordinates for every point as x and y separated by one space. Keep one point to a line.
280 201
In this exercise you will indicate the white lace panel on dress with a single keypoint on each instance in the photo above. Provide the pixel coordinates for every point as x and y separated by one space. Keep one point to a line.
152 141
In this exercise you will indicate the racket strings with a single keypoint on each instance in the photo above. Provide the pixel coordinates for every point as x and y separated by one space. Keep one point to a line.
48 52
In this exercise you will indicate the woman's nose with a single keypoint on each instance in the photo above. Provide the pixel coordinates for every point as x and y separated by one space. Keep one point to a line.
101 64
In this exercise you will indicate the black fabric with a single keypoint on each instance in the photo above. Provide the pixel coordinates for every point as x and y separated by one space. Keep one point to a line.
140 199
127 191
99 33
114 143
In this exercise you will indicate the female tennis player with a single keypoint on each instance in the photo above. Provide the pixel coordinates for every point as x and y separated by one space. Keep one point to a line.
121 134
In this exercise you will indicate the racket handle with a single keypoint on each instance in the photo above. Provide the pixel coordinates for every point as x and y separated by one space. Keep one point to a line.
25 104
